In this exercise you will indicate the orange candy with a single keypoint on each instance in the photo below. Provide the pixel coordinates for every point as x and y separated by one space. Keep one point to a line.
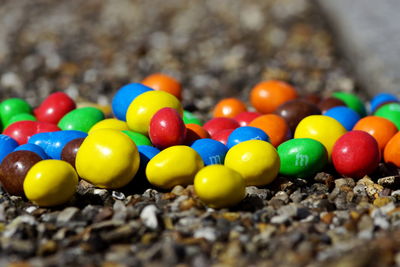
391 153
380 128
268 95
194 132
274 126
162 82
229 107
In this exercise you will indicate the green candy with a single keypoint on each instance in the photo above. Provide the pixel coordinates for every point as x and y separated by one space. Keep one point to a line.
20 117
189 117
352 101
81 119
302 157
138 138
11 107
391 112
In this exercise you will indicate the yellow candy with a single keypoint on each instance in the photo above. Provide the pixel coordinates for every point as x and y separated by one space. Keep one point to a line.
219 186
144 106
257 161
176 165
108 159
322 128
50 183
109 124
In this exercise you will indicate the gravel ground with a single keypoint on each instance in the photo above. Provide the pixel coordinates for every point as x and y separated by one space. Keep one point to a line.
216 48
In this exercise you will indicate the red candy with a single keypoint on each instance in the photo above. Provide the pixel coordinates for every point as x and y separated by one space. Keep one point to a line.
218 124
54 107
167 128
222 136
356 154
246 117
21 131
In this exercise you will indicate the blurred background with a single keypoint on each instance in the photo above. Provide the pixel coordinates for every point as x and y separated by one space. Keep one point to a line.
89 48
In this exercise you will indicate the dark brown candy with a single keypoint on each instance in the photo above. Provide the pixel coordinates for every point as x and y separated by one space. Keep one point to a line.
313 98
68 153
295 110
329 103
14 168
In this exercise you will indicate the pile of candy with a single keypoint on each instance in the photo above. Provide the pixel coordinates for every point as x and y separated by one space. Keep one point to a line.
44 152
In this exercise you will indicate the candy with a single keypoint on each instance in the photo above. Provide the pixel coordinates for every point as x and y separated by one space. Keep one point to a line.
294 111
322 128
50 183
21 131
312 98
11 107
268 95
346 116
104 108
222 136
329 103
54 142
190 118
70 150
108 159
274 126
81 119
54 107
381 99
144 106
352 101
219 186
33 148
20 117
211 151
167 128
194 132
246 117
218 124
162 82
302 157
229 108
380 128
14 168
176 165
257 161
124 97
138 138
355 154
391 112
7 145
391 153
110 124
246 133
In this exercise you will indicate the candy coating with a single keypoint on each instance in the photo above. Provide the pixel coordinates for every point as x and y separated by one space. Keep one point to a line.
219 186
81 119
54 107
211 151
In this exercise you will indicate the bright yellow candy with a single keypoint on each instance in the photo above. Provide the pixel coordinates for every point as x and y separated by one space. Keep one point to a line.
219 186
257 161
144 106
110 124
322 128
108 159
50 183
176 165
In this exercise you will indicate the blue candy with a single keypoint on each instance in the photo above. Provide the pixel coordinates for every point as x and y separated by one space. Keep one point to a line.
34 148
211 151
246 133
7 145
124 97
147 153
54 142
346 116
382 98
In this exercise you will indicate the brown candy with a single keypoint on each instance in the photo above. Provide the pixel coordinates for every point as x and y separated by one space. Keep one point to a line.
14 168
295 110
329 103
313 98
68 153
